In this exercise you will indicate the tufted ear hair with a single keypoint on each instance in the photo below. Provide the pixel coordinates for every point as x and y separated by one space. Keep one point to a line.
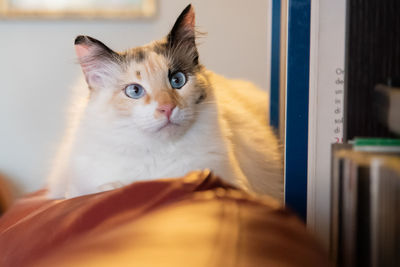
183 34
99 63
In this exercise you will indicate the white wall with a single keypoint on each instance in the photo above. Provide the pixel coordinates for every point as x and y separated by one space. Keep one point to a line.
37 68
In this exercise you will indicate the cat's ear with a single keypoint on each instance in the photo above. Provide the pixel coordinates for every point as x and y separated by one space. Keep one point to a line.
183 33
184 27
99 63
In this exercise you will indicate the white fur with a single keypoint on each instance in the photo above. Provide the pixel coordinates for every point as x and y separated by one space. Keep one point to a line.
228 134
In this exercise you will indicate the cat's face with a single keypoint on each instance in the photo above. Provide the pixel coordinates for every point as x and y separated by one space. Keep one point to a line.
157 89
156 97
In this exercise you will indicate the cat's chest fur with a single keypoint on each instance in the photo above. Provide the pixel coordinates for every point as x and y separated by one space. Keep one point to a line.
143 160
118 158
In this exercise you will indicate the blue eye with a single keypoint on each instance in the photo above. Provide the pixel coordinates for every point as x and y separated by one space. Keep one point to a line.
177 80
135 91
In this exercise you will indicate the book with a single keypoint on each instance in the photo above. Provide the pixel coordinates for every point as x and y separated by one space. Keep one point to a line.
326 103
293 99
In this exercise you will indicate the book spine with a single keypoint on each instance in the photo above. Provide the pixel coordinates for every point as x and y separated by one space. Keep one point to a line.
296 137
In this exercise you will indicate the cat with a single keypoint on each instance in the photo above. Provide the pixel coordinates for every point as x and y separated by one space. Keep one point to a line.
156 112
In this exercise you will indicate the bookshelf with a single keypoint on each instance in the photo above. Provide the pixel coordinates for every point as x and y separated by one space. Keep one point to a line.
339 78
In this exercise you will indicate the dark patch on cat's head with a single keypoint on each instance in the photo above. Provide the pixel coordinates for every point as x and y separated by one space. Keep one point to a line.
140 55
160 48
137 54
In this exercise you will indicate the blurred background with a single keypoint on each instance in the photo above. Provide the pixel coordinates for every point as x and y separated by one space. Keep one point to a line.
38 68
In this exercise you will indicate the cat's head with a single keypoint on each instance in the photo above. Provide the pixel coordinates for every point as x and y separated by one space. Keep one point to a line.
157 89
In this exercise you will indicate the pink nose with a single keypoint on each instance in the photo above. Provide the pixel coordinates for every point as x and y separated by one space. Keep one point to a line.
166 109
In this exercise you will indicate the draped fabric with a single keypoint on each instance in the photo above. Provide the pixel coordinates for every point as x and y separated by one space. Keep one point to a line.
196 220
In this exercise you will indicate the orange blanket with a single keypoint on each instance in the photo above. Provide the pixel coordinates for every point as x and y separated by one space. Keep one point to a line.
196 220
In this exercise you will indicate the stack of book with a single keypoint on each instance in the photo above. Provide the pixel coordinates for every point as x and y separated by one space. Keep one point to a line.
365 217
